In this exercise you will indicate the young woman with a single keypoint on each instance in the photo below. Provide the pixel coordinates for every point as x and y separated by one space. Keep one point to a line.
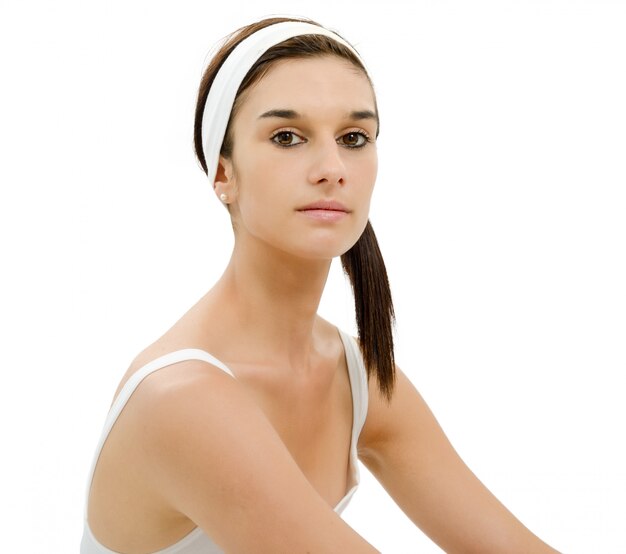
239 429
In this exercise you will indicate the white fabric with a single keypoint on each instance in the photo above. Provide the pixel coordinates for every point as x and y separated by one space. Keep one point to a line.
221 98
198 542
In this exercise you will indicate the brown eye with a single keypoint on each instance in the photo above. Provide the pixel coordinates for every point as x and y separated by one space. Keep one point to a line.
285 138
354 140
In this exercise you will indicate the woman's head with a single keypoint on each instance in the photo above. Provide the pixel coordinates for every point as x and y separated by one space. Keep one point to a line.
302 129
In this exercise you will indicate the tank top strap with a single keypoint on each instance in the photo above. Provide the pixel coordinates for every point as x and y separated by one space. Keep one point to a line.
360 397
358 382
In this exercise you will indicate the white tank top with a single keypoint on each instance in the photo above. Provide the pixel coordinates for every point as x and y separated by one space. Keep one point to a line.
198 542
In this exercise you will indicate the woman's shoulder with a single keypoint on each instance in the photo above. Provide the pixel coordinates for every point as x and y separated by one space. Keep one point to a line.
175 406
172 383
176 355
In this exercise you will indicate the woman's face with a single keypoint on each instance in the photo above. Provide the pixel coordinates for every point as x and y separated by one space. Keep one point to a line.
304 134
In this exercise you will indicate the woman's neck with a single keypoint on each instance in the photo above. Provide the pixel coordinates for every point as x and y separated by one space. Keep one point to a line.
272 299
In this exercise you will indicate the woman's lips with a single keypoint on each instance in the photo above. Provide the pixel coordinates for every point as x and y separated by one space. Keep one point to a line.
324 215
325 210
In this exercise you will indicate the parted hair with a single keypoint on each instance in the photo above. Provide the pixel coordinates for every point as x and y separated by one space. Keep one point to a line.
363 263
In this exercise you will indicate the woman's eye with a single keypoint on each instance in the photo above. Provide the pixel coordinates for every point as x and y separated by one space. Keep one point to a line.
286 138
354 139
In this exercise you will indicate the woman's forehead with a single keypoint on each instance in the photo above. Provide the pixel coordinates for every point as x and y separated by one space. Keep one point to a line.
308 85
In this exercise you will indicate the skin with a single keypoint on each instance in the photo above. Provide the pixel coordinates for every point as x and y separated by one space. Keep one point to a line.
194 447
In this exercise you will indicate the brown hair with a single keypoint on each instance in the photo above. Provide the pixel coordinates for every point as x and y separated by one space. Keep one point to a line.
363 263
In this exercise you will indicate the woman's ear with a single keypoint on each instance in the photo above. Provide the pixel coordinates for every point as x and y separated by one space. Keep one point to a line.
224 172
224 184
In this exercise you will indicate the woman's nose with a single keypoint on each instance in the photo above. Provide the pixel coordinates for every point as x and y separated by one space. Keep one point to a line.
327 165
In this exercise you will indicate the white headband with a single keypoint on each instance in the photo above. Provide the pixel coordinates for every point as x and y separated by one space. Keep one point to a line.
221 98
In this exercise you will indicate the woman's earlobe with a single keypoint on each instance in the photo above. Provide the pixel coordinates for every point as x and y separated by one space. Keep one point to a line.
224 184
225 193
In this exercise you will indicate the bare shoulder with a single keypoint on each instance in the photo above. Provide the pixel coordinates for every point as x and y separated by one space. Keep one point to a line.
171 405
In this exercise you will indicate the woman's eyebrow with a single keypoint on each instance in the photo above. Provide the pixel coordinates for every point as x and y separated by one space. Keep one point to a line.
284 114
363 114
292 114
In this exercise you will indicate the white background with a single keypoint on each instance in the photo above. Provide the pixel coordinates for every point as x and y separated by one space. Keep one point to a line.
500 208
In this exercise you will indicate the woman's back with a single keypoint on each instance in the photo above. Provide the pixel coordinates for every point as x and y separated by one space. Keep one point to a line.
317 417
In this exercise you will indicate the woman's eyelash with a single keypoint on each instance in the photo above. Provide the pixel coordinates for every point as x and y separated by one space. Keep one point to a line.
288 133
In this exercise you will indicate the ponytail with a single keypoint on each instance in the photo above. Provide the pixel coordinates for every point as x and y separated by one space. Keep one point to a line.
375 317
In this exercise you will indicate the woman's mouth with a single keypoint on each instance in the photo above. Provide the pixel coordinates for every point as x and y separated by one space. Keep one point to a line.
325 210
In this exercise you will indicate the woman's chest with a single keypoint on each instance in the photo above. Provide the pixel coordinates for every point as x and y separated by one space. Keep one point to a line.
314 419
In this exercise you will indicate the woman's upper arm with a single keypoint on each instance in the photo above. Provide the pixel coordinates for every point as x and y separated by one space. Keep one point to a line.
218 460
407 451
